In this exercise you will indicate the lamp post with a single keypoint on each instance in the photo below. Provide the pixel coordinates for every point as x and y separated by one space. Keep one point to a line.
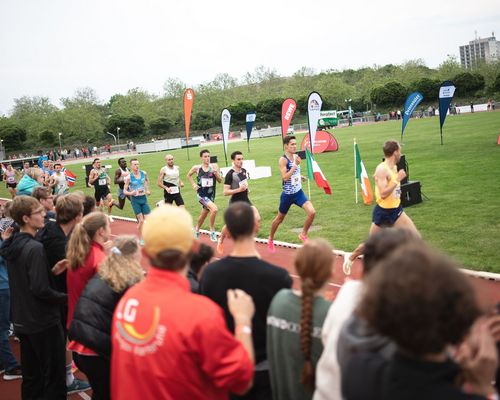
118 134
2 149
60 144
350 111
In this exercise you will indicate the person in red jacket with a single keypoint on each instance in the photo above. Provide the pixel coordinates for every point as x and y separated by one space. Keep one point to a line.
168 343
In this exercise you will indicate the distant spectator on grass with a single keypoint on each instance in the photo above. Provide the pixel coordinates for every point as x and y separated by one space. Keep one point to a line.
294 324
244 269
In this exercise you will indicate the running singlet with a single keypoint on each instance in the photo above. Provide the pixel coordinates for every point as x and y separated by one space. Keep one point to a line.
137 184
170 175
101 181
206 182
125 173
294 184
235 180
394 199
10 176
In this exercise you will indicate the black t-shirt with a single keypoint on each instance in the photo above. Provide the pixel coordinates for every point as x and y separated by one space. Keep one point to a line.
258 278
233 179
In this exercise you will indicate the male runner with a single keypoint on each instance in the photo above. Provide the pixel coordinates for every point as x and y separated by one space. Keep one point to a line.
170 182
137 187
388 211
207 175
120 175
236 186
100 179
58 181
292 193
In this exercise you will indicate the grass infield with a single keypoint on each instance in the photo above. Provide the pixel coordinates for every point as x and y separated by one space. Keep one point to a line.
460 180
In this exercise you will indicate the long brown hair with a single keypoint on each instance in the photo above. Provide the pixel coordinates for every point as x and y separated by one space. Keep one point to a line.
121 269
313 263
81 238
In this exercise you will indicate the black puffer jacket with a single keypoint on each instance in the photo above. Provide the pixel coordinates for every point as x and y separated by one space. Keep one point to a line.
91 324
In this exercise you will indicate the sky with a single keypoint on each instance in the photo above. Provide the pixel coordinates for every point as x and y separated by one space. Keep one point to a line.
52 48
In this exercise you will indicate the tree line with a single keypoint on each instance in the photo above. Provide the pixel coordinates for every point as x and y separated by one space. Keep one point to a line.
35 122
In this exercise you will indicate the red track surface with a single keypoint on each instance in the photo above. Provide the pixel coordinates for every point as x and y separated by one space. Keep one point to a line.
488 291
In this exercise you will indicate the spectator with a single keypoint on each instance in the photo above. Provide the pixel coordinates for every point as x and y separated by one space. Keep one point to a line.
35 305
46 199
91 325
343 333
244 269
30 181
420 300
199 259
188 353
294 324
88 205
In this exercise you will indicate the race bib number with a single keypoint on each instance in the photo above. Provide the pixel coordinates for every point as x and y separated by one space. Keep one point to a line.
102 181
11 179
295 180
174 189
207 182
397 192
244 182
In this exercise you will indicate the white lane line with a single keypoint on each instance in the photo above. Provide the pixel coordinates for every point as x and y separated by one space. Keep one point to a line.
84 396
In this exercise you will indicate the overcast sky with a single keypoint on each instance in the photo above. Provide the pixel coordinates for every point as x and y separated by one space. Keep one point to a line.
53 47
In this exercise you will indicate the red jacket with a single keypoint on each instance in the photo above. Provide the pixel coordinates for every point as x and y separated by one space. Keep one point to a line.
77 279
171 344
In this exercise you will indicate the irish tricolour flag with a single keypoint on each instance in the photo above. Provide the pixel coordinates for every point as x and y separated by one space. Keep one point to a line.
362 177
314 172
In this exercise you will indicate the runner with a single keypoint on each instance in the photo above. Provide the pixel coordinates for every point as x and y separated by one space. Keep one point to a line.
169 181
10 175
58 180
100 179
292 193
137 187
120 175
388 211
208 174
236 186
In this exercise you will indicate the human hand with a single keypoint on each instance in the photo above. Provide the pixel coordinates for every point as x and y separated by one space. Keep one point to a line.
107 246
478 358
240 306
195 187
401 175
7 233
297 159
60 267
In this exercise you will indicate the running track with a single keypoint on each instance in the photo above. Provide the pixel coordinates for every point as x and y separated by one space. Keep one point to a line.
487 286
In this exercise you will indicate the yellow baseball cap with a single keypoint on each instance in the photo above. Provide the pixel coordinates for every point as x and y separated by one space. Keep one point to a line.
168 228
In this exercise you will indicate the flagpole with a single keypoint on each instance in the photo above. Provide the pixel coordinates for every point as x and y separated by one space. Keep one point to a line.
187 148
441 128
309 188
355 183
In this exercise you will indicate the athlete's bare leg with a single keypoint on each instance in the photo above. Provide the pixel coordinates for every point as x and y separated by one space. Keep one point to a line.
404 221
275 224
311 213
201 218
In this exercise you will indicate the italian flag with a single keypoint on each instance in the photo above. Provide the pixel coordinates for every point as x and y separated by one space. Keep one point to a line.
314 172
362 177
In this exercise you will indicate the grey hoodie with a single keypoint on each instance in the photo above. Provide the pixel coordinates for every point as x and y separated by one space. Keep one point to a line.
357 336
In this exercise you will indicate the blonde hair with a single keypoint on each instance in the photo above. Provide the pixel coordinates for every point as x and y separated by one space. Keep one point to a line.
81 238
34 173
121 269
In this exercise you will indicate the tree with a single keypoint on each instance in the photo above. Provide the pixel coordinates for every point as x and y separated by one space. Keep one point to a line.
47 137
174 87
160 126
269 110
391 94
202 121
496 84
467 84
239 111
130 126
428 87
12 135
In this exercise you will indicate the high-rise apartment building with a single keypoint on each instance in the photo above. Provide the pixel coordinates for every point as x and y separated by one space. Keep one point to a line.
487 50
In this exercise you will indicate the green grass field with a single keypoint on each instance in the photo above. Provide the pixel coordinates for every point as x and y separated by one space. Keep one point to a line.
460 180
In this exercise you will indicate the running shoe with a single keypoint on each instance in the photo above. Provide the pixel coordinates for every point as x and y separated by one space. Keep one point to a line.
220 247
270 245
111 218
303 238
196 234
77 386
213 236
14 373
346 266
